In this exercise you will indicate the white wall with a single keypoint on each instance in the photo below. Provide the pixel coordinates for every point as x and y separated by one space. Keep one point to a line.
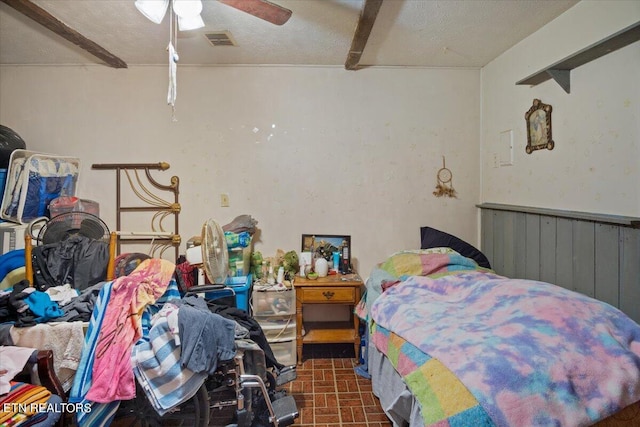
595 165
301 149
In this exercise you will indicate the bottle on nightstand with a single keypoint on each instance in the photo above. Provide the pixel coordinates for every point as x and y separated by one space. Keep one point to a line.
271 280
345 266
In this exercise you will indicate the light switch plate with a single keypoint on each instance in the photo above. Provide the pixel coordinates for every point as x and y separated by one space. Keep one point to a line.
505 149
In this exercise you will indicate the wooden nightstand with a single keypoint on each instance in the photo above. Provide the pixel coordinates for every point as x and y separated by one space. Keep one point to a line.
335 289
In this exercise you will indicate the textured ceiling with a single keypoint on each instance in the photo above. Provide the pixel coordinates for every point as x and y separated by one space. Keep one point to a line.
427 33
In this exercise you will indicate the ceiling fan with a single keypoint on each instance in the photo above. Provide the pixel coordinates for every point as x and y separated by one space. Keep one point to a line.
262 9
188 11
185 15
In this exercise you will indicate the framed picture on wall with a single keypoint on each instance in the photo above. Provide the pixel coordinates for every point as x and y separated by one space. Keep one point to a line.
538 120
324 245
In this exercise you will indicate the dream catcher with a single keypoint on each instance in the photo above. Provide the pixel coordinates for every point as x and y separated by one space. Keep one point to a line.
444 186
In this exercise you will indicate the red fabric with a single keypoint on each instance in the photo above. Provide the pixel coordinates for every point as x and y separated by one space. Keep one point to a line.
388 284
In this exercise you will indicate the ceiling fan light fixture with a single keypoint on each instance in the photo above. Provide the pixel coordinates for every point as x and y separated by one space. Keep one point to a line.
190 23
154 10
187 8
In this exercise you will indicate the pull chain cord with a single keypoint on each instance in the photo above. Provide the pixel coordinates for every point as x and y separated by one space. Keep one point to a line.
173 65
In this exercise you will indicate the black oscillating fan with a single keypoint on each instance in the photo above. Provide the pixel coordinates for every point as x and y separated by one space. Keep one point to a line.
60 227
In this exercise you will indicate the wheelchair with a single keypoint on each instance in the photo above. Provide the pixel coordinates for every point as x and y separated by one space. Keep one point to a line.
242 392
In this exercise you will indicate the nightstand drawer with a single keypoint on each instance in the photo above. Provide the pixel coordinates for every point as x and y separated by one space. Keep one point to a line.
329 294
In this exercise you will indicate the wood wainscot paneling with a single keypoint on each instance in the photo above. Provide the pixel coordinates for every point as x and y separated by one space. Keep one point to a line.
596 255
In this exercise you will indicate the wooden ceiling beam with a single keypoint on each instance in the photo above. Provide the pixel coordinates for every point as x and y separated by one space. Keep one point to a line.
50 22
368 17
262 9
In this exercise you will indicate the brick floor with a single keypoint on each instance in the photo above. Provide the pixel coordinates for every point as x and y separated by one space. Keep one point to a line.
328 392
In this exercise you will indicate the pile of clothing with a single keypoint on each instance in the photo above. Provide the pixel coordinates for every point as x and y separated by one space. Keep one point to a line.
27 306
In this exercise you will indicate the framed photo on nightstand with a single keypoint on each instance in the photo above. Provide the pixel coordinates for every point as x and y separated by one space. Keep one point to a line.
324 245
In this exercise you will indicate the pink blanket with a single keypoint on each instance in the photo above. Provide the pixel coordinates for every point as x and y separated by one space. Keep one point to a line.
112 372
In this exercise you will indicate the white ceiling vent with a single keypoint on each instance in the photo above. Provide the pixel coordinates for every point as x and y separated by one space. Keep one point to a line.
220 38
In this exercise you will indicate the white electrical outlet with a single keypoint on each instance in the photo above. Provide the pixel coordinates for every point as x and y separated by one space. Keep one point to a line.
224 200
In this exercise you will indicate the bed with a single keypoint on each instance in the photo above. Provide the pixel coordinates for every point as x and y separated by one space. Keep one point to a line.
452 343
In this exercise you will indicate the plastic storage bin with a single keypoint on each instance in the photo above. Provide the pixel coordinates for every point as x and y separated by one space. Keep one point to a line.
278 328
33 180
66 204
11 236
284 352
240 261
269 302
242 288
275 311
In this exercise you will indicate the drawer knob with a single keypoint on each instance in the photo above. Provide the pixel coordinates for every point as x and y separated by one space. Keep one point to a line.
328 294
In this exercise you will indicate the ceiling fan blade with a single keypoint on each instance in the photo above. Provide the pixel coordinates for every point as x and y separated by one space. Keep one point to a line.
262 9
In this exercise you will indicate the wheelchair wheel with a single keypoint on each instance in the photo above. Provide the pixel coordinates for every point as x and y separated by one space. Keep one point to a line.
138 412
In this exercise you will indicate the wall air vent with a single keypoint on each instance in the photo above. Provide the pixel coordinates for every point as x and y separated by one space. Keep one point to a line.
220 38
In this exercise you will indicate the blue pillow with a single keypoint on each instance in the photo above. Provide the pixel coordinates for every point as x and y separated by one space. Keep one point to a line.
432 238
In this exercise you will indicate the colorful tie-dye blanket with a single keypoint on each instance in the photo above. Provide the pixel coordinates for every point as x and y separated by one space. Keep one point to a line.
444 400
420 262
426 262
530 353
